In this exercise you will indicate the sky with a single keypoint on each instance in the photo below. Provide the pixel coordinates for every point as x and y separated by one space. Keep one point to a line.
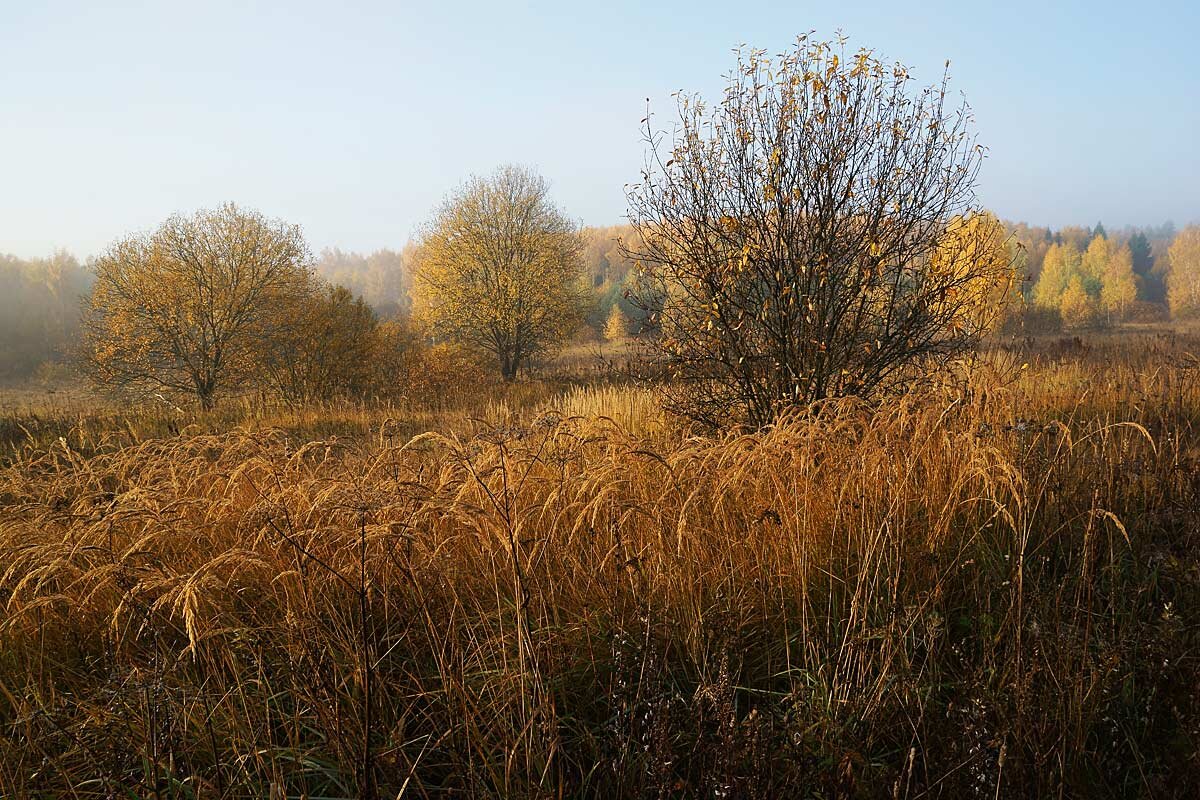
355 119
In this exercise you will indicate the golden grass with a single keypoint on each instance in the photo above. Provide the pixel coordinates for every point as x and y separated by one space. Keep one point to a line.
980 591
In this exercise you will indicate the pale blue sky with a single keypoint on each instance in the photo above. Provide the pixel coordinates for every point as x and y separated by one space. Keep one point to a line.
354 119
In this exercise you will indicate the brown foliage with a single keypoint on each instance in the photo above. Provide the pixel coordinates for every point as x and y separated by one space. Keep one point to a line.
323 345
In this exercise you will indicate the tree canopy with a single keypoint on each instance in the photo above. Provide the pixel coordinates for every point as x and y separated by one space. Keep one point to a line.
1097 285
39 310
499 267
186 308
1183 281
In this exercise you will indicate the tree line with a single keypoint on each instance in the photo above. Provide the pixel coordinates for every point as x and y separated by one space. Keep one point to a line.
40 311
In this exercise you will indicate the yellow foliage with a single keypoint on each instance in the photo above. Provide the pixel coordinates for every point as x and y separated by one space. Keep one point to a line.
1077 306
617 326
976 249
498 269
1118 288
1059 265
1094 262
1183 281
187 308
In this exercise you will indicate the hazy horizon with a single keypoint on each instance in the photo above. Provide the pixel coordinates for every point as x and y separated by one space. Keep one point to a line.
356 122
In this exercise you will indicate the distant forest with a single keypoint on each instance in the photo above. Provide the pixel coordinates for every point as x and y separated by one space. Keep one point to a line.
41 302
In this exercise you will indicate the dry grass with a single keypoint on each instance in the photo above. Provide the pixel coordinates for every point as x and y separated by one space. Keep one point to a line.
984 591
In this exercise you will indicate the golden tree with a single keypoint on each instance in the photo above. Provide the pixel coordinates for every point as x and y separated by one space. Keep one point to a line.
792 239
1183 280
1078 308
1119 284
1094 263
186 309
1060 265
977 255
499 267
616 328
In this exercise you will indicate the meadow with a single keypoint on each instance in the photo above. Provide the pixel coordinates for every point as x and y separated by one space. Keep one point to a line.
985 588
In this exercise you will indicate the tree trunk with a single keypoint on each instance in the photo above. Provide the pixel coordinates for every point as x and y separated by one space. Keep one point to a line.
508 367
207 399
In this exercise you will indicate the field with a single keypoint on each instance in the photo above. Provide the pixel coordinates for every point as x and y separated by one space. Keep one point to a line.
987 588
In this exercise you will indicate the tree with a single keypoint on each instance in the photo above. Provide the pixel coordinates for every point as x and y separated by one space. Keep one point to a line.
1094 263
1061 264
1139 247
603 261
1077 306
1033 242
617 326
608 272
397 358
382 279
187 308
39 310
1081 286
978 249
1077 236
324 346
1119 284
1183 279
793 239
499 268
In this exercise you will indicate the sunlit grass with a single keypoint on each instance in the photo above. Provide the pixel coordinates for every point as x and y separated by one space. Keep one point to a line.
979 590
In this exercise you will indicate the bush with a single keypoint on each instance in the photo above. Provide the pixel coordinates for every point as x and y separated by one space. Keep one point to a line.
1143 311
447 376
784 263
1033 320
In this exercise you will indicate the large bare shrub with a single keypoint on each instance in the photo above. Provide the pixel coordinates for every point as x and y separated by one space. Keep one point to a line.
815 233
